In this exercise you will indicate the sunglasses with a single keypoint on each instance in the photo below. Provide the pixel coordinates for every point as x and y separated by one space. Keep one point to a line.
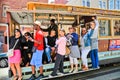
25 35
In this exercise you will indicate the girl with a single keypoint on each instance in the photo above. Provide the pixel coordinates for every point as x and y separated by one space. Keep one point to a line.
16 59
75 53
61 50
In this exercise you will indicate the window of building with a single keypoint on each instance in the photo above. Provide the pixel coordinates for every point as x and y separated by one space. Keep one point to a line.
83 2
100 4
4 10
104 5
117 5
104 28
116 25
111 4
86 3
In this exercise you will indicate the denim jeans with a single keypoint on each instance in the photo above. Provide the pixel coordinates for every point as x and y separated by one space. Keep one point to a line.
94 58
48 53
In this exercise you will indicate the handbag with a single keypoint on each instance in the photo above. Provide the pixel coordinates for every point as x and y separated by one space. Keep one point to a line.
10 73
67 51
10 52
34 49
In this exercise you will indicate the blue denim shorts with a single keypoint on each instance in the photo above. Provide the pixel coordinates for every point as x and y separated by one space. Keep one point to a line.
37 58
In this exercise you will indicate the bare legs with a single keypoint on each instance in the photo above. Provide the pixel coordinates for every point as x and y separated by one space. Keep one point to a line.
41 70
33 69
12 66
15 67
72 62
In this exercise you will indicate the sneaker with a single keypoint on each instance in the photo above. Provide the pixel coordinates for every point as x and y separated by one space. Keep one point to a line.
71 71
98 67
75 71
32 77
59 73
39 77
50 76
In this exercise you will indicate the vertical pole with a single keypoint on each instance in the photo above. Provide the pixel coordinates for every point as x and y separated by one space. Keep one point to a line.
58 20
78 28
34 18
112 28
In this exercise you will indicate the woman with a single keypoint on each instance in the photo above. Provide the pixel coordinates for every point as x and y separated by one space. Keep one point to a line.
27 49
85 47
16 58
61 50
75 53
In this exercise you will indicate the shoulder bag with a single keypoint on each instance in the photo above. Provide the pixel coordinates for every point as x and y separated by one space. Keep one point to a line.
10 52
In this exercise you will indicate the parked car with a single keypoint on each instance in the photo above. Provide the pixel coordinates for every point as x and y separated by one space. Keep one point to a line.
3 60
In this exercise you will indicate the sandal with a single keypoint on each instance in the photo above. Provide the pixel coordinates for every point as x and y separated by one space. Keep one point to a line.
15 77
85 69
20 78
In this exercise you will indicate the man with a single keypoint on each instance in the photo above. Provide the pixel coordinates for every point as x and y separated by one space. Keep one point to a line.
53 26
94 43
36 60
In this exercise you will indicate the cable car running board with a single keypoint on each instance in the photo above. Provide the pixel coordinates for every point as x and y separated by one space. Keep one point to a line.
66 74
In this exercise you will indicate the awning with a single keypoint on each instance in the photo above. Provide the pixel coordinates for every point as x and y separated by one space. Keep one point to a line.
23 18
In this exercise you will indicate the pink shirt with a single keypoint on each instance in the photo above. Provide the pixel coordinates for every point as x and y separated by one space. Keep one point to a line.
61 42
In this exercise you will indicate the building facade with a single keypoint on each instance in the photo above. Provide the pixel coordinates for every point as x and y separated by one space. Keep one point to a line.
102 4
61 1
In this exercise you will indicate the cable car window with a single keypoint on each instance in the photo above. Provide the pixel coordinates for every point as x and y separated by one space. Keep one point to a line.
104 28
116 25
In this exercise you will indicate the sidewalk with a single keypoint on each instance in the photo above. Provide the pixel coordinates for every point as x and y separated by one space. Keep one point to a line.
4 74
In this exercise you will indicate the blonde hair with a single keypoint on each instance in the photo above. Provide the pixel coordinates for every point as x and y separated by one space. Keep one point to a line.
63 31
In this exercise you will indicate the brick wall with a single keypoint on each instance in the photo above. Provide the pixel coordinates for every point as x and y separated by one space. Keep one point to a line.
15 4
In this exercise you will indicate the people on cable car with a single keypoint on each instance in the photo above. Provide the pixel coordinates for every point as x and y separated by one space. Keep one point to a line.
54 27
27 49
61 50
74 49
94 43
36 61
50 46
15 60
85 47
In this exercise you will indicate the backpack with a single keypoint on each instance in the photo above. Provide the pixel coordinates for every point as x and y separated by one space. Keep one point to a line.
69 40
